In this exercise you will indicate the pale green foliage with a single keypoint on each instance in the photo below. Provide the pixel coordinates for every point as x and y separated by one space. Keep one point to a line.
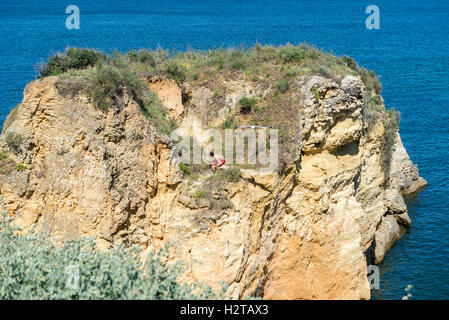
408 291
185 168
13 140
106 83
32 267
6 164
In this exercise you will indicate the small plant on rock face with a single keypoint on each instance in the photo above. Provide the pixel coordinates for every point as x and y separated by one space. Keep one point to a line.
199 194
6 164
317 95
237 60
283 85
246 105
228 123
20 167
13 140
185 168
175 71
229 175
350 62
391 122
232 175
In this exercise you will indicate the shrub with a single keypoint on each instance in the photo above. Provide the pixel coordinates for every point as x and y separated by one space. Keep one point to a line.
261 53
13 140
324 71
290 53
105 87
108 82
34 268
370 80
143 56
175 71
237 62
246 105
350 62
6 164
72 58
229 122
283 85
20 167
199 194
3 155
185 168
391 123
229 175
372 101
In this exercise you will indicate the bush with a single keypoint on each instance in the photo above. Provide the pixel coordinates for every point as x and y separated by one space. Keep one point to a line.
246 105
33 268
6 164
370 80
283 85
20 167
229 175
237 60
72 58
13 140
229 122
108 82
143 56
294 54
199 194
185 168
372 101
105 87
350 62
175 71
391 123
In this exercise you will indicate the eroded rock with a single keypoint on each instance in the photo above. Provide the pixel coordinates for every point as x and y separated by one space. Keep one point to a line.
301 234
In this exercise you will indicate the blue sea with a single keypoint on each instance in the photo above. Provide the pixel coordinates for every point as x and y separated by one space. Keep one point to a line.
410 52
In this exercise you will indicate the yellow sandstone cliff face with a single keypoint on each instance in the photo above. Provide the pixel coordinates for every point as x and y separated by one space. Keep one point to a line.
307 233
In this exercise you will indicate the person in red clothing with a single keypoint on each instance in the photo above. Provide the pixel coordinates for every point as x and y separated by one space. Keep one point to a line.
216 161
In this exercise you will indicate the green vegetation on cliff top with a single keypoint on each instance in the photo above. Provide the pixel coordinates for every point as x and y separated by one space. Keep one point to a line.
105 78
111 74
192 65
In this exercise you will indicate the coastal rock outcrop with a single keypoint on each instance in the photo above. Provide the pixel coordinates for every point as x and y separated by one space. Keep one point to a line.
306 232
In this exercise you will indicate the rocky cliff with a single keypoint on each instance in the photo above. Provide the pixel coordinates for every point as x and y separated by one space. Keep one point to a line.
306 232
